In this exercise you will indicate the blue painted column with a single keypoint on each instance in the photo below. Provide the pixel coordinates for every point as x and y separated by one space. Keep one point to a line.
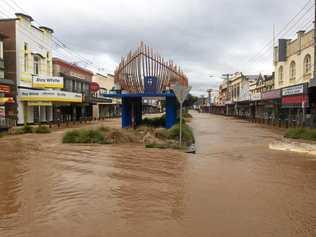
138 110
171 111
126 113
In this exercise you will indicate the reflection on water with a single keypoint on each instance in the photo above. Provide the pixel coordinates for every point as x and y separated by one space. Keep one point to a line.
234 186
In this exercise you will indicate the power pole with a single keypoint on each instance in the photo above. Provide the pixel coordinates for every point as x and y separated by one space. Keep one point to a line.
226 77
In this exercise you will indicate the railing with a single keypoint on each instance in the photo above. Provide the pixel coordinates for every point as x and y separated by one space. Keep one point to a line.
7 122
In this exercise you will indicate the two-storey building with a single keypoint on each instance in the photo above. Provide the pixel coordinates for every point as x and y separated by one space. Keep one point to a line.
28 51
76 80
293 61
104 107
7 92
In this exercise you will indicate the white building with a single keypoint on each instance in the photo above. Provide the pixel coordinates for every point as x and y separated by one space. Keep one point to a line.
31 55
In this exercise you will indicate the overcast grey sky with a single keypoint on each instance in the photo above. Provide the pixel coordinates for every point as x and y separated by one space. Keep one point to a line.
203 36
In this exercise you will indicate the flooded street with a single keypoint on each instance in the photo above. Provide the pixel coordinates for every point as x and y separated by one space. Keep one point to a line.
234 186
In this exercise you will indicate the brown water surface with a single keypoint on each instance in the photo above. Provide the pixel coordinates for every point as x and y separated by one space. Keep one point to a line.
234 186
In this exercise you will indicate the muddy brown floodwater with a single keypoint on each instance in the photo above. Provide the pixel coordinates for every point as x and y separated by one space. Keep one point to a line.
234 186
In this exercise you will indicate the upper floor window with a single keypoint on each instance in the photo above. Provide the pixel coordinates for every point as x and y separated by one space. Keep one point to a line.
307 64
292 70
280 74
48 63
36 65
1 49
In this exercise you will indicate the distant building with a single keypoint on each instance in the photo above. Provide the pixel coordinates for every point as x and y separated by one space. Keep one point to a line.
76 80
104 107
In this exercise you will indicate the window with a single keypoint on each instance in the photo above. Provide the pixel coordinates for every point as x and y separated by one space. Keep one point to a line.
36 65
292 70
26 63
1 49
307 64
48 63
280 76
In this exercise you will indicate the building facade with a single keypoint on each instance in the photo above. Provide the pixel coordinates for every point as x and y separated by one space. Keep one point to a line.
29 58
104 107
7 92
294 65
76 80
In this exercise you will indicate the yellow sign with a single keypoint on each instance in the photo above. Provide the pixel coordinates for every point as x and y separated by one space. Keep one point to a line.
39 103
4 100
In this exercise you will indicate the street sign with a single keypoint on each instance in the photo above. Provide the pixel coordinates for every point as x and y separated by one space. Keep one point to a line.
181 93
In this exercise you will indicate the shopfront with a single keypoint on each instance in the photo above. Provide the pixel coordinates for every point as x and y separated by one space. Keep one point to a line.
271 101
255 105
7 107
40 106
295 103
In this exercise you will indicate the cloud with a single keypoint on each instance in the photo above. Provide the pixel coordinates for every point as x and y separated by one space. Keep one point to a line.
203 36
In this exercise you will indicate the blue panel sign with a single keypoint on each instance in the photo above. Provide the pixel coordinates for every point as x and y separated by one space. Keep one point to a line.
150 85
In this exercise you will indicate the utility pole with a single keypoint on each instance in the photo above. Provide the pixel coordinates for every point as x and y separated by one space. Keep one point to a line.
226 77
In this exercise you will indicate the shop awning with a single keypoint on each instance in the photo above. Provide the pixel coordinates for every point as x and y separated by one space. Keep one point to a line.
295 101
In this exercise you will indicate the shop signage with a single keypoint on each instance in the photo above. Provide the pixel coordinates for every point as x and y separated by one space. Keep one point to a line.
255 97
48 82
39 103
94 87
2 112
270 95
293 90
8 100
5 89
49 95
296 101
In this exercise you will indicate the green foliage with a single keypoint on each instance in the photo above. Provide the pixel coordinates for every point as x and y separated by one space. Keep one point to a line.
27 129
190 101
84 136
155 122
42 129
301 133
187 134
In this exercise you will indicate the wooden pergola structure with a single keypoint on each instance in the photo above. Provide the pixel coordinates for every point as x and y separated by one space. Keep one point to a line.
145 62
142 74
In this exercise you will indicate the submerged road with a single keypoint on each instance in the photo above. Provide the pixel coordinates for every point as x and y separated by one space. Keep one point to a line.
234 186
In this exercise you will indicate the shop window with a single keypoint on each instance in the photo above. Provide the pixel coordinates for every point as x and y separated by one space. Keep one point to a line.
280 76
36 65
307 64
292 70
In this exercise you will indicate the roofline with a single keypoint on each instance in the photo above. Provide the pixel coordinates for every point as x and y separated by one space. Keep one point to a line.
47 29
9 19
65 63
24 15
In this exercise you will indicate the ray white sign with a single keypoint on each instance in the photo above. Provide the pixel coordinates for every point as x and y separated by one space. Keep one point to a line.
48 82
